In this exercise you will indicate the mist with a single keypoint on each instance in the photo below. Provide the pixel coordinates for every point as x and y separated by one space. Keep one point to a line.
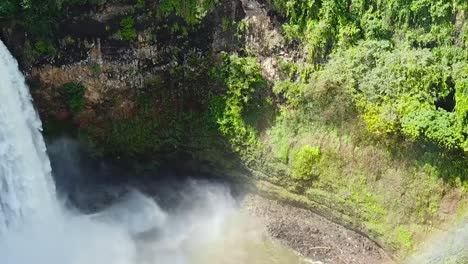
111 220
447 247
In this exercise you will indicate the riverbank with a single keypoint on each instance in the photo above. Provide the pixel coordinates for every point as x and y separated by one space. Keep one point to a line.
313 236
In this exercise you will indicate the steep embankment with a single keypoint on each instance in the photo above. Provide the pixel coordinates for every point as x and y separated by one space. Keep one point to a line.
353 110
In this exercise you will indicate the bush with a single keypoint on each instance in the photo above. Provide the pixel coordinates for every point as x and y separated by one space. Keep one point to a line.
95 69
420 93
326 24
7 8
305 161
291 91
75 93
242 79
404 237
192 11
127 29
44 48
436 125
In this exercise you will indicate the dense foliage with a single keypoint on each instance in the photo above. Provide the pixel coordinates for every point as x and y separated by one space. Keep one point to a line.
397 69
127 29
325 25
418 92
403 64
305 161
41 17
242 78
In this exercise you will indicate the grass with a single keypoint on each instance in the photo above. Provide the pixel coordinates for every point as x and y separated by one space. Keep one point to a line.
75 95
393 191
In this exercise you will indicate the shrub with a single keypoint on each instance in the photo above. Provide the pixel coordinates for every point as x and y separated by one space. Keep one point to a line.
242 79
420 93
127 29
404 237
192 11
75 96
436 125
7 8
44 48
291 91
305 161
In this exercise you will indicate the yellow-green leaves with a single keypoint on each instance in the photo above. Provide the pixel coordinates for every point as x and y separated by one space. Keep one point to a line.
242 78
304 164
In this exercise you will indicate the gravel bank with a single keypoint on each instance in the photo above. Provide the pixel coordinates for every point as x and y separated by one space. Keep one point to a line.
314 236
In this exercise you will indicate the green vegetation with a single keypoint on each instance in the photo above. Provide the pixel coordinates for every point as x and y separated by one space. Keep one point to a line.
369 124
305 161
405 237
386 186
41 20
403 64
232 112
95 69
168 116
401 67
326 25
381 94
74 94
127 29
143 132
44 48
39 17
406 90
193 11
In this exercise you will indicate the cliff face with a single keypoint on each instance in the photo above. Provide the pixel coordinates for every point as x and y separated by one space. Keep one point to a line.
91 48
111 64
159 88
128 62
139 84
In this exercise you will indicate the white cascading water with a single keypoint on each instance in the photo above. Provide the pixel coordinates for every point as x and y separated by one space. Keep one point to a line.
35 228
25 173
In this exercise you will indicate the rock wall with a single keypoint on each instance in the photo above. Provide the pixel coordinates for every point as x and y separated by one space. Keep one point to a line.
90 50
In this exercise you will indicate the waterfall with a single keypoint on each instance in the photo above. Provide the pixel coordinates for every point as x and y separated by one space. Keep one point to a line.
35 228
25 175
